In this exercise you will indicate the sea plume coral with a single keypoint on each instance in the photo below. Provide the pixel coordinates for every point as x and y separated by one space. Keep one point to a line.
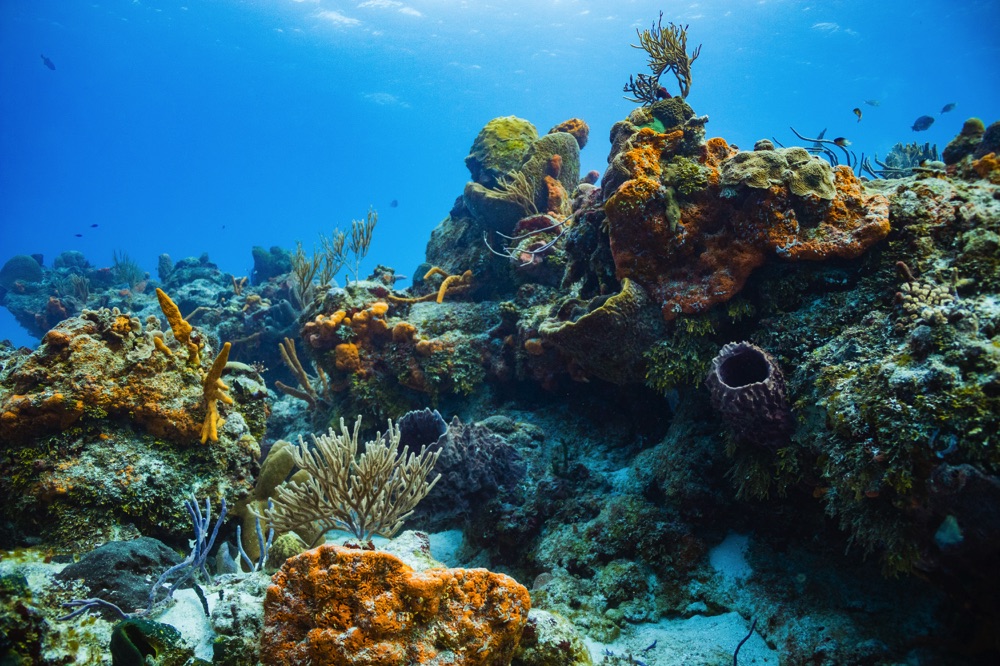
365 495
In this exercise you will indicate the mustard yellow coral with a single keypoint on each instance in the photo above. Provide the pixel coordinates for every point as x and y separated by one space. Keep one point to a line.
182 330
454 283
214 390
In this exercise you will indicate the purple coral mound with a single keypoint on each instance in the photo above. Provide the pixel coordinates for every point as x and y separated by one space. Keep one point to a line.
475 465
748 389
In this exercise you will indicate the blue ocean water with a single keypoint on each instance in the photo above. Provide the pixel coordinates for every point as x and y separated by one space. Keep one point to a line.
192 126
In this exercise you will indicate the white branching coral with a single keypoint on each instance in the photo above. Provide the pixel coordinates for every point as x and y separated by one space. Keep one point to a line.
373 493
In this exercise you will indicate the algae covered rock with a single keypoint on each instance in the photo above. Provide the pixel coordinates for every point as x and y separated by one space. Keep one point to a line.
121 571
966 142
608 335
500 148
549 639
990 142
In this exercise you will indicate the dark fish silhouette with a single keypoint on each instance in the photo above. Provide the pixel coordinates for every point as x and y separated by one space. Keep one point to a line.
78 235
842 142
922 123
394 204
48 63
948 107
872 102
93 226
816 144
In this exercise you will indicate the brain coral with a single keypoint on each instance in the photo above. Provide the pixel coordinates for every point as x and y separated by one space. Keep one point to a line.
20 267
802 173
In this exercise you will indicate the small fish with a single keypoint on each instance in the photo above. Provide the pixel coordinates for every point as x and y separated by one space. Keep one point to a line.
817 145
93 226
922 123
48 63
78 235
872 102
661 93
948 107
394 204
842 142
857 112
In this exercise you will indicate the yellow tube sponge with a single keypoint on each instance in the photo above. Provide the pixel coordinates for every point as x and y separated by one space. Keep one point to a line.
182 330
215 390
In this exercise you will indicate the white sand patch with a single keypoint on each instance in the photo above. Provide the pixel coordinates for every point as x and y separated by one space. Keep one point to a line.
729 558
696 641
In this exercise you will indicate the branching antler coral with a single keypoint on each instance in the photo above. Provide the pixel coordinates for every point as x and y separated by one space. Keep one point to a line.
304 271
362 232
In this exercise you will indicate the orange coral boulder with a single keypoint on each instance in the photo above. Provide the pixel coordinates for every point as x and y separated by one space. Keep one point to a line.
335 605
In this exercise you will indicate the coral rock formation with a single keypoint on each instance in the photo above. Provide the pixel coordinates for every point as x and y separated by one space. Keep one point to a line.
690 220
98 426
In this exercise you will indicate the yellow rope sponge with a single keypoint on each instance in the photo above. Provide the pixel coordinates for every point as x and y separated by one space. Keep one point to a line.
215 390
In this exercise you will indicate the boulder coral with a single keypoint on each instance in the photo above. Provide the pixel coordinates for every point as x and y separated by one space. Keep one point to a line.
20 268
692 232
335 605
500 148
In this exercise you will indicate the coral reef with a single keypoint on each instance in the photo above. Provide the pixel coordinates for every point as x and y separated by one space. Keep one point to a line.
824 490
98 425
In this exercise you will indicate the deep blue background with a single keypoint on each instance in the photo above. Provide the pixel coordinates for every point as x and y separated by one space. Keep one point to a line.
191 127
